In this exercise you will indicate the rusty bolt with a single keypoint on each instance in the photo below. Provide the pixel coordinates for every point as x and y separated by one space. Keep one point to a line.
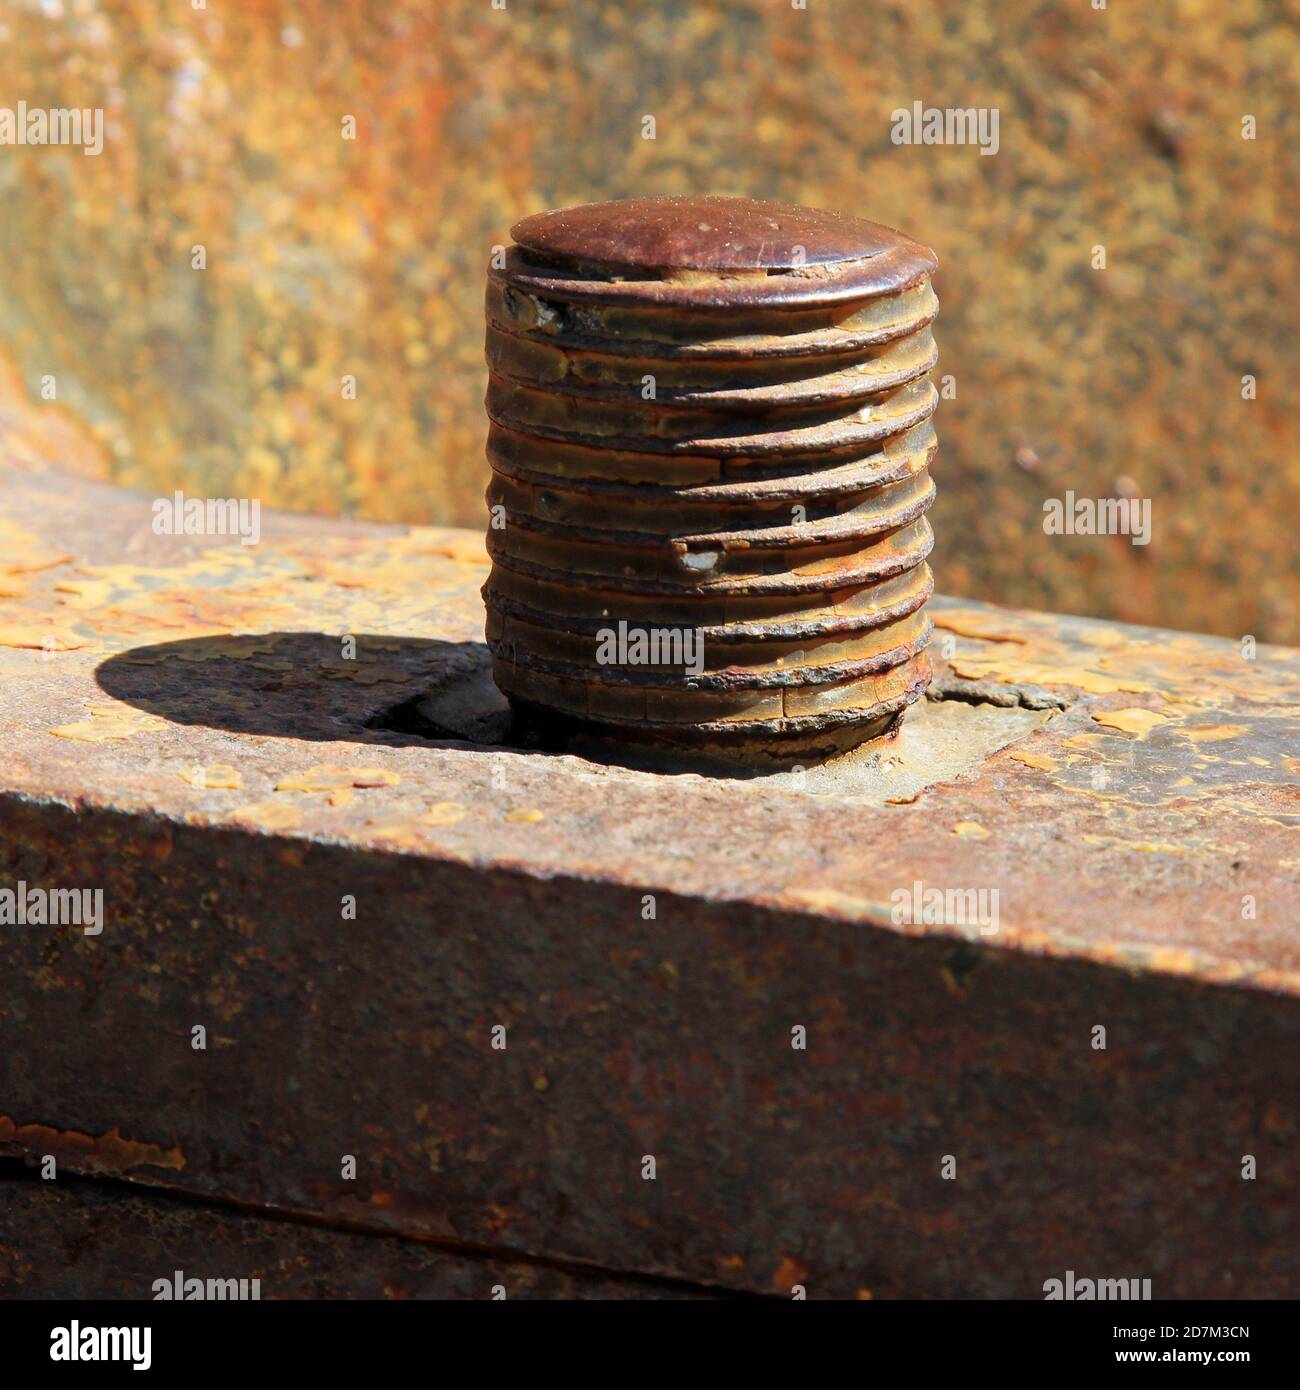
710 436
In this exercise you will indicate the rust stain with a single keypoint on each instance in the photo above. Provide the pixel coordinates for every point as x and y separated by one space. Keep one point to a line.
788 1273
107 1152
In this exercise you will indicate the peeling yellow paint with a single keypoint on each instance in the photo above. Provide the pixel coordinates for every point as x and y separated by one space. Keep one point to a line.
1103 637
1091 742
38 637
971 830
22 552
328 777
225 647
1214 733
832 900
402 833
968 623
1044 762
215 776
1130 721
86 593
1008 670
266 815
1136 846
108 722
365 673
524 815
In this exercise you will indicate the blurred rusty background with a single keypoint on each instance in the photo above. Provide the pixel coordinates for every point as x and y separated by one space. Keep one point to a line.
328 256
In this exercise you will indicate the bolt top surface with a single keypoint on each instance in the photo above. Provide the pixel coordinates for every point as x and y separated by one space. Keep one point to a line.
709 233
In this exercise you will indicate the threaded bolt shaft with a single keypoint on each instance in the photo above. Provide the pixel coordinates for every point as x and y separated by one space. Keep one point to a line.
710 437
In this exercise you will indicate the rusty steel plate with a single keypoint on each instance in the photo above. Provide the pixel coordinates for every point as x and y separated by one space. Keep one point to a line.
185 731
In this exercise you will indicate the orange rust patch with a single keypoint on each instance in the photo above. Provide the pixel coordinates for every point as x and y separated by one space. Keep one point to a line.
788 1273
109 1152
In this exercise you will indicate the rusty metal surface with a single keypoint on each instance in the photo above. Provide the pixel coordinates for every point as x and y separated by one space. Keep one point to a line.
366 257
706 233
713 253
107 1241
711 416
1124 829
